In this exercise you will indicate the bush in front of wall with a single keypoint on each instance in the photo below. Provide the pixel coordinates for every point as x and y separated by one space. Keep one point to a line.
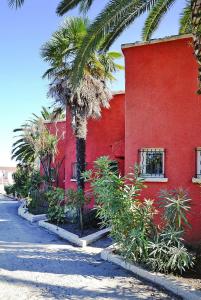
167 251
132 219
37 202
119 207
76 200
57 205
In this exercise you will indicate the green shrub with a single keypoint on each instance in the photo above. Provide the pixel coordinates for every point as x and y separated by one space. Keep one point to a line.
57 205
25 180
176 204
132 219
119 207
34 181
167 252
77 199
10 189
37 202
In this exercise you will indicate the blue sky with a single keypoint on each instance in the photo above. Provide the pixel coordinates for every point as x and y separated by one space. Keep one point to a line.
22 33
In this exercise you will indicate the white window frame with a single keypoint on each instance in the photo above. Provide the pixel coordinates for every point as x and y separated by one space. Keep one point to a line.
74 171
198 162
152 177
197 178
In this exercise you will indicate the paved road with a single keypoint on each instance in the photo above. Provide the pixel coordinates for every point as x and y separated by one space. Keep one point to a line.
35 264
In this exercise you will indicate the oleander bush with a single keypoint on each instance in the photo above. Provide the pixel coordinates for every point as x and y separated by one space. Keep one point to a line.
57 205
131 218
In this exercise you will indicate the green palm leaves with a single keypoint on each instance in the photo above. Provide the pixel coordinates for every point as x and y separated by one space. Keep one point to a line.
33 139
109 24
22 151
65 6
155 16
185 20
86 100
15 3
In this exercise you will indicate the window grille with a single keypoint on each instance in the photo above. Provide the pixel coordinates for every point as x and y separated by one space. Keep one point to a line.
198 162
114 167
152 162
74 171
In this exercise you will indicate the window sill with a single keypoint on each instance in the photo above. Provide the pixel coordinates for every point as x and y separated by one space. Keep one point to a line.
73 180
154 179
196 180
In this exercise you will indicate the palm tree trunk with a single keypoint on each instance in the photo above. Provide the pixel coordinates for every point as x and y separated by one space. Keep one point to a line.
196 30
80 156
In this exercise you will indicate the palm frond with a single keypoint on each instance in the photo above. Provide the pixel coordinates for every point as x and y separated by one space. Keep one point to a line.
155 16
66 5
117 15
185 19
15 3
85 5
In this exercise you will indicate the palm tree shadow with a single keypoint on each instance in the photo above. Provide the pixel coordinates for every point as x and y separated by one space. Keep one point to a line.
58 291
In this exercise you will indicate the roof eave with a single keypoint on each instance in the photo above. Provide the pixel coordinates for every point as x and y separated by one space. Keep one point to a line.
156 41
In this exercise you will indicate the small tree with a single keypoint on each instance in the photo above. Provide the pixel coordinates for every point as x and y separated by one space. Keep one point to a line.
35 143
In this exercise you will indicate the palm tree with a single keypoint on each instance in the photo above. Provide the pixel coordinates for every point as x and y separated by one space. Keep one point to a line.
91 95
35 142
86 101
119 14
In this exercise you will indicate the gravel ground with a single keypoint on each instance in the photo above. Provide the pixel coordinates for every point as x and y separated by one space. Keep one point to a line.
35 264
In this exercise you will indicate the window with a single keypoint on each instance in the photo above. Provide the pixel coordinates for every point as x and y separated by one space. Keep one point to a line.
198 162
114 166
152 162
74 171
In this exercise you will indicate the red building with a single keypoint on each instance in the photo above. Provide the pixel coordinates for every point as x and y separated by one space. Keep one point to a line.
163 118
105 137
156 124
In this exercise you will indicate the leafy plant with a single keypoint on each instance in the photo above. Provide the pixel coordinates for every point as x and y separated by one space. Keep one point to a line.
131 219
21 179
167 253
57 205
120 207
37 202
10 189
176 204
77 199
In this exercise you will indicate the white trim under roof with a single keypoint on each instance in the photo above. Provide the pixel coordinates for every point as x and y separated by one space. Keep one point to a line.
118 92
156 41
54 121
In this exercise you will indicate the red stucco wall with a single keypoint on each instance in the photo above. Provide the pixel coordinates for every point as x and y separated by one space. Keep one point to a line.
105 137
163 110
